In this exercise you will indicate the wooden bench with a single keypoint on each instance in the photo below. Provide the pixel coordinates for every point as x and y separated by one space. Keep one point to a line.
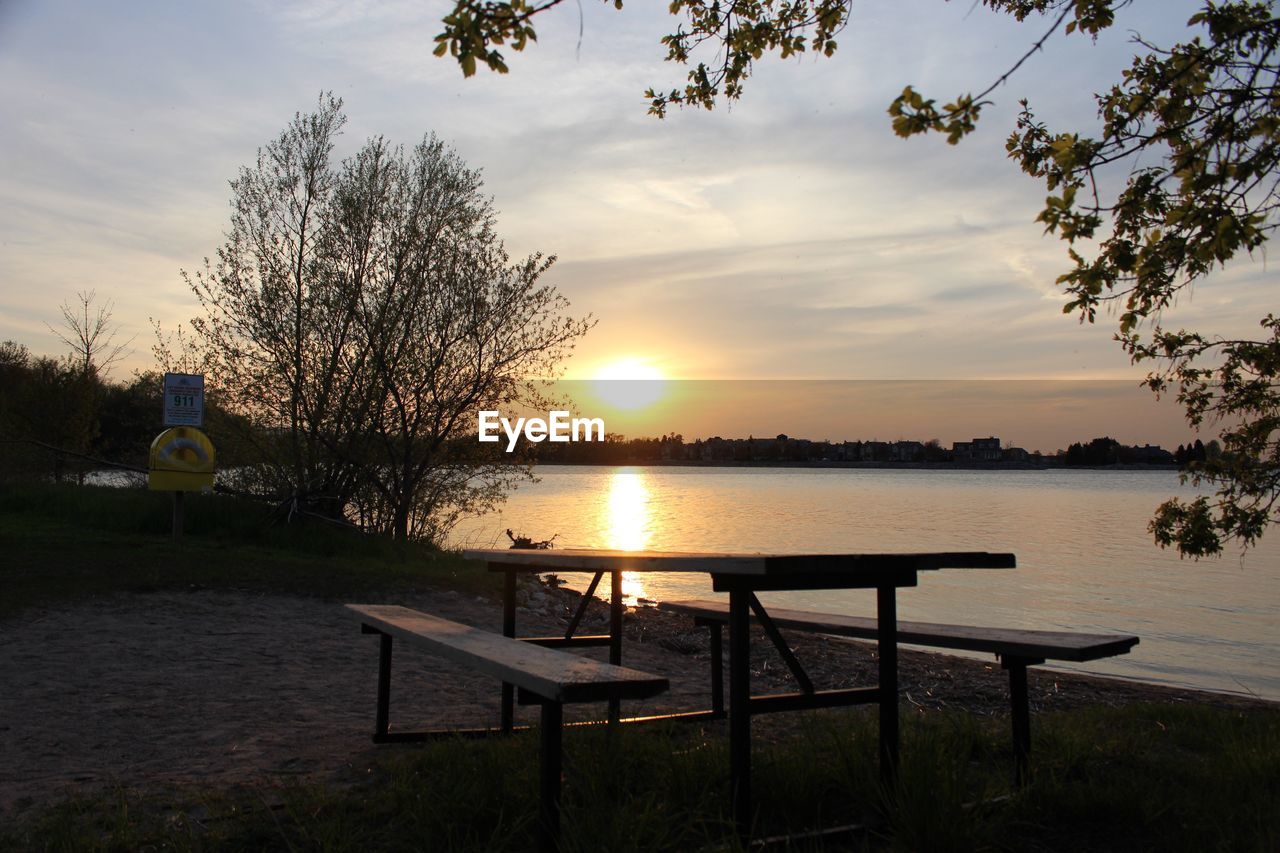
544 676
1016 648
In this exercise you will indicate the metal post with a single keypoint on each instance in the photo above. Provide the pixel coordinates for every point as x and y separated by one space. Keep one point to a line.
717 669
582 606
739 705
615 637
549 777
383 724
1019 707
177 515
887 639
508 630
775 636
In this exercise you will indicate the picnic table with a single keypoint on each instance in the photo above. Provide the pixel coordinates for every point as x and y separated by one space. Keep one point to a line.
742 576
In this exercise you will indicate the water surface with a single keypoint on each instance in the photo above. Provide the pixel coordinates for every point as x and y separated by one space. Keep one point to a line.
1085 560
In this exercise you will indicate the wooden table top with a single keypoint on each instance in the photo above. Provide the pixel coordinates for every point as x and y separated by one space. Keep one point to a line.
593 560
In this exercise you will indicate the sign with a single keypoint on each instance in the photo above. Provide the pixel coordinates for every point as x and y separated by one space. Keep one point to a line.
183 399
182 460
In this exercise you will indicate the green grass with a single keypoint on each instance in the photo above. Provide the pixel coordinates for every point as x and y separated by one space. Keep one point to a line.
62 543
1153 777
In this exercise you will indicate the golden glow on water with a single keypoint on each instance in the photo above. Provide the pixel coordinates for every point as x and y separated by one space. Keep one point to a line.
633 588
628 521
627 514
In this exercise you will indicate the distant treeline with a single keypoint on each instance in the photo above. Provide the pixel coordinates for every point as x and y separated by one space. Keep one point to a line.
60 420
1108 451
48 403
782 449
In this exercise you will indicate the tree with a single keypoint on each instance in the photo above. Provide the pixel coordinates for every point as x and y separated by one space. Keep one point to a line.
43 412
1193 124
360 315
90 335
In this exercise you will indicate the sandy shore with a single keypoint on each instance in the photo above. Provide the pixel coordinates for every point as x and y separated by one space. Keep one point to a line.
229 687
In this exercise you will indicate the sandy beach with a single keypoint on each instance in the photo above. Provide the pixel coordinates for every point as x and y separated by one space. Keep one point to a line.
227 687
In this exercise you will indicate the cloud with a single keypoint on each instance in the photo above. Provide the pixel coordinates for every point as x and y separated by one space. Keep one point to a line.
789 235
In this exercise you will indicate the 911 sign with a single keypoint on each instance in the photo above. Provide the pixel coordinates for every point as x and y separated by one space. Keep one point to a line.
183 399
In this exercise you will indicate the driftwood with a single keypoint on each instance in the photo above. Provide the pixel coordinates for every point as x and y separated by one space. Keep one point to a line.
526 543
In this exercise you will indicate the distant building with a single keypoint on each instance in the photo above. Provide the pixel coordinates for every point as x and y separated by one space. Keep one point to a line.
986 449
1152 454
977 450
907 451
875 451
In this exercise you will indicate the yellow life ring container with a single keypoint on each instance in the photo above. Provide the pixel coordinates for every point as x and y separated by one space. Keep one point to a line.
182 460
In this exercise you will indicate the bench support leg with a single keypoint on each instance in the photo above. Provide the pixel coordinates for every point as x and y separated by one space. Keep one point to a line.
1020 712
887 642
549 776
740 706
717 669
383 721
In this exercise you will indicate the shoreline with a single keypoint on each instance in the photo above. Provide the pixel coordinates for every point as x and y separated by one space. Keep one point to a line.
870 466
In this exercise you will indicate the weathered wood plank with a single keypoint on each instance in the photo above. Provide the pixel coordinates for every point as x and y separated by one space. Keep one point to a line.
583 560
549 673
1012 642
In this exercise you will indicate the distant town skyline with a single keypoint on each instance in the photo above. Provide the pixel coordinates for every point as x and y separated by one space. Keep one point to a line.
1038 415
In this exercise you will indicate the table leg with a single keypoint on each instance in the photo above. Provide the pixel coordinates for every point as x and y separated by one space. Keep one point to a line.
1020 710
615 636
717 669
508 630
739 706
383 724
887 640
549 773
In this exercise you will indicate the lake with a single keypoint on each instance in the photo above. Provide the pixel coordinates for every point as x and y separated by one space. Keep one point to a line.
1085 559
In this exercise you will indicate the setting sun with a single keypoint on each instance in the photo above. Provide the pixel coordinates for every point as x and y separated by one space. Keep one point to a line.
630 368
629 383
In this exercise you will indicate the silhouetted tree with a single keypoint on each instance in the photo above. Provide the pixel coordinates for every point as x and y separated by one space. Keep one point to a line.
358 317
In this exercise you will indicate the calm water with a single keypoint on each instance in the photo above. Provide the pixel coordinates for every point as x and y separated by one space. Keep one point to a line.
1085 560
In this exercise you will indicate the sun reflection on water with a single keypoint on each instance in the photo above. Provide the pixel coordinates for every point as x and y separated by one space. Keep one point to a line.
628 522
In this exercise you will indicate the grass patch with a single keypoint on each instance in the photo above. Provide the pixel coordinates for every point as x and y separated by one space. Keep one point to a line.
1154 777
64 542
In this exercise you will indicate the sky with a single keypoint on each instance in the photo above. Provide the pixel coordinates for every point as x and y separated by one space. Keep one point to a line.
788 235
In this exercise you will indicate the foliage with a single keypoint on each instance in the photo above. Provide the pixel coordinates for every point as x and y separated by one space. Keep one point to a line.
741 31
46 404
1196 125
52 411
1195 128
359 316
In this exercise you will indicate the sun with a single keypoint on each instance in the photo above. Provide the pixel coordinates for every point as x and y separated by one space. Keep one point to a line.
629 383
630 368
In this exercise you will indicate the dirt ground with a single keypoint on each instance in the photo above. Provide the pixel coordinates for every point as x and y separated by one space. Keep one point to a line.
230 687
